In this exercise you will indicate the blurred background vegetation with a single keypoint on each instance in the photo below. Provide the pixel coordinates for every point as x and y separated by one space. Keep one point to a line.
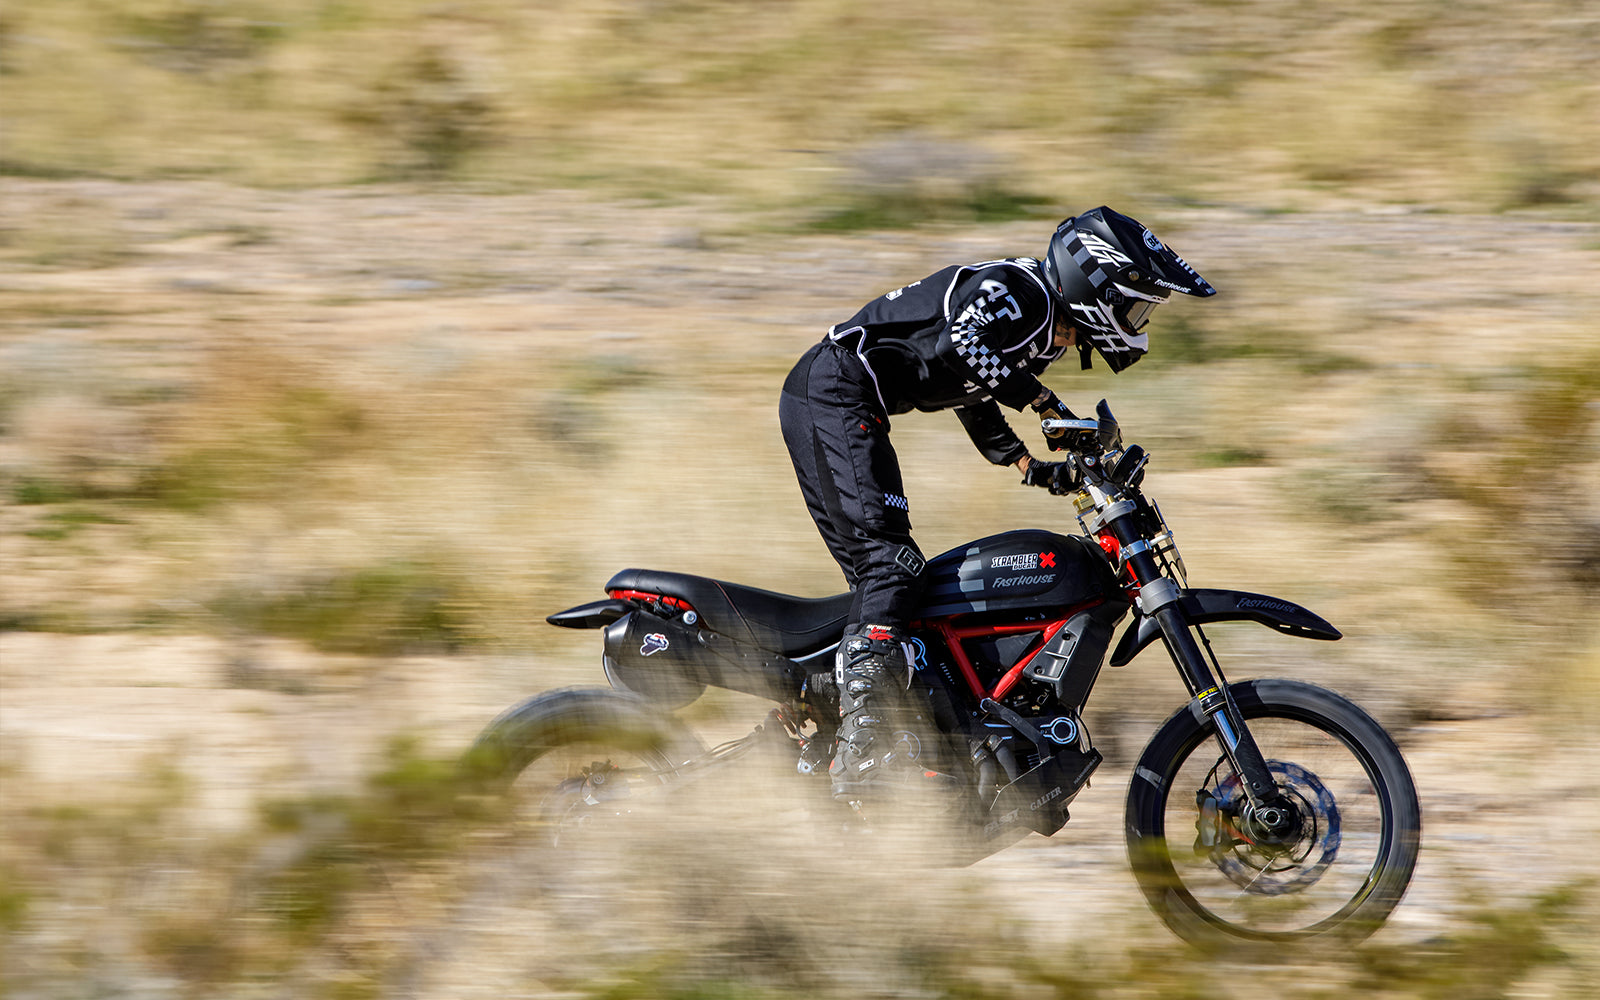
340 342
1448 104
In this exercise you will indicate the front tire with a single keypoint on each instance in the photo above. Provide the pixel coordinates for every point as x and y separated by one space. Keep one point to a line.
1207 871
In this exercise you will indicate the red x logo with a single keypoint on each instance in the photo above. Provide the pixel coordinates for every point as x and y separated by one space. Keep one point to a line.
1047 560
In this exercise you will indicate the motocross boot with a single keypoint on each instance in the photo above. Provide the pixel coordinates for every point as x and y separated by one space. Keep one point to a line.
871 672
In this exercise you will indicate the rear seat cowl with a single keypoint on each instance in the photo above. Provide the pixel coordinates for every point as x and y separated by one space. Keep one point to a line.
773 621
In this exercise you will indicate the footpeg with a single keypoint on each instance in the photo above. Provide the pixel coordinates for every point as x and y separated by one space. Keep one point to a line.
815 754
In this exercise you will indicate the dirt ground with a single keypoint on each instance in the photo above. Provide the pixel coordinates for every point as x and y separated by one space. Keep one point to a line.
395 283
1510 806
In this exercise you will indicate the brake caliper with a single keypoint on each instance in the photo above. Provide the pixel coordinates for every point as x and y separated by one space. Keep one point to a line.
1213 824
598 785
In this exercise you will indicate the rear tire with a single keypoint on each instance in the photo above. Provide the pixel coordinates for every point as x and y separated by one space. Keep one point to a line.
1214 884
569 757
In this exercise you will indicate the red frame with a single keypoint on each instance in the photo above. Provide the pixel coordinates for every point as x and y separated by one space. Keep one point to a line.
953 636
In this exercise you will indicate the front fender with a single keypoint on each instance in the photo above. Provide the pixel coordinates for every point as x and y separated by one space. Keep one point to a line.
1201 607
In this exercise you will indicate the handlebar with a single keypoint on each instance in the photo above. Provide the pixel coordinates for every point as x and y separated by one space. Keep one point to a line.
1102 459
1058 424
1105 430
1110 476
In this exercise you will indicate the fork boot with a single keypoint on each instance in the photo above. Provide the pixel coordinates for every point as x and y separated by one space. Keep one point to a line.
870 670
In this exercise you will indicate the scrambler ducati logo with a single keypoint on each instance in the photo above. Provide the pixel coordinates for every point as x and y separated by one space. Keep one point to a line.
1024 560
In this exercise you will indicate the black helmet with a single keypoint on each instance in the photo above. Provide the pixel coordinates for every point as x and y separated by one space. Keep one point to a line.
1108 273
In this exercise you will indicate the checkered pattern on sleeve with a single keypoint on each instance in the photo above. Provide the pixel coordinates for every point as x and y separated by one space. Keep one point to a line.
985 364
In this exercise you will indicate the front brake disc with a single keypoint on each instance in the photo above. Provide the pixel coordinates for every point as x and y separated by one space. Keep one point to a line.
1278 869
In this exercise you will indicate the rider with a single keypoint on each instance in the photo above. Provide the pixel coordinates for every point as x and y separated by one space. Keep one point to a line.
968 338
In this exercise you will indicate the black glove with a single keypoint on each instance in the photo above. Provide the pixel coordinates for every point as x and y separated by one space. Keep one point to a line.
1060 478
1052 408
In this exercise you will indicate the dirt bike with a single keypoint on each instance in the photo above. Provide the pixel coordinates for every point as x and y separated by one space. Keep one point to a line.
1271 811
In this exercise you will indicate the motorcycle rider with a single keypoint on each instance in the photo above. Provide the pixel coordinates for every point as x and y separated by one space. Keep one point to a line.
969 338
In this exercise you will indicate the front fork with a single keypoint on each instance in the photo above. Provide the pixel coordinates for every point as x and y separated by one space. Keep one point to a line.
1158 598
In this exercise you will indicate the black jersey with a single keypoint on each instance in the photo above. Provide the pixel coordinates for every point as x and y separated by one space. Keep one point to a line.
962 338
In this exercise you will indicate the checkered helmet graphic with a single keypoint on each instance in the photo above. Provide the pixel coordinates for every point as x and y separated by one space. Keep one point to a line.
1108 273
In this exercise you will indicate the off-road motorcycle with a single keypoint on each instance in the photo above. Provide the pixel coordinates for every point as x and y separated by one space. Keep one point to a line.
1263 810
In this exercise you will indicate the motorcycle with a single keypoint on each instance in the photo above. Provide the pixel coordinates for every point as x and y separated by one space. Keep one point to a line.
1270 811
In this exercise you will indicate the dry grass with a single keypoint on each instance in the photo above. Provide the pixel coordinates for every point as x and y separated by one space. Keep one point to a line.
1420 102
402 888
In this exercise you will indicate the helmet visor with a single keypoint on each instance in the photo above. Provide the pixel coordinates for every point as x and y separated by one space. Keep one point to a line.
1136 314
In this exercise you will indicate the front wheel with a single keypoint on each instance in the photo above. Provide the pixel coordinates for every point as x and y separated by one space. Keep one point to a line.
1217 874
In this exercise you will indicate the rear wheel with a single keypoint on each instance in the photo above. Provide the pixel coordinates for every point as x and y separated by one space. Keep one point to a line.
587 784
579 760
1330 859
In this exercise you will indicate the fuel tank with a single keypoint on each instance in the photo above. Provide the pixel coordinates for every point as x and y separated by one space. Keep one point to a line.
1019 571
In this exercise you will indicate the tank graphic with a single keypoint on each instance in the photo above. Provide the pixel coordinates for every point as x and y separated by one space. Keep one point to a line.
1018 569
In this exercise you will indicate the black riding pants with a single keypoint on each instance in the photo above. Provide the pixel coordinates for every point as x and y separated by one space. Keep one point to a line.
838 438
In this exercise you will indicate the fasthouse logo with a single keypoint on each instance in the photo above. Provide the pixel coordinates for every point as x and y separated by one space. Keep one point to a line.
910 560
1024 581
1268 604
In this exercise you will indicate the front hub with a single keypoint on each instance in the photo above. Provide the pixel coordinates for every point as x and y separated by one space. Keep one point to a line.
1276 824
1283 846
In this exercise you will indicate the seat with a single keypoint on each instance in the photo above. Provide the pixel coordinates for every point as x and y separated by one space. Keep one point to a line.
793 626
